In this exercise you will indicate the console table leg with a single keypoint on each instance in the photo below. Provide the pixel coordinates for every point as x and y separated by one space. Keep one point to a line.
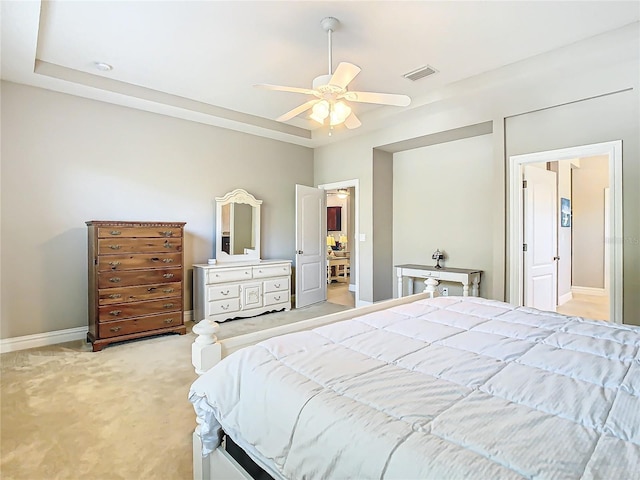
431 284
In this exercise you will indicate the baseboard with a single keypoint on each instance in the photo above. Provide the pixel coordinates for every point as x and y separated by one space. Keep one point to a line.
42 339
52 338
352 287
600 292
565 298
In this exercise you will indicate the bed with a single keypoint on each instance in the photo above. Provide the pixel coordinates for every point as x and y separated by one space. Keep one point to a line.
445 387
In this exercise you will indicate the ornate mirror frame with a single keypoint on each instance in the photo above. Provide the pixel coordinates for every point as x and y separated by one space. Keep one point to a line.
238 196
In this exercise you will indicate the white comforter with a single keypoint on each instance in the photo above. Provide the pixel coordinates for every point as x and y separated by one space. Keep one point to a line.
451 387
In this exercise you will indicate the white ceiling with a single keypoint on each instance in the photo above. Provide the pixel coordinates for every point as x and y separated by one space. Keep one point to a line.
200 60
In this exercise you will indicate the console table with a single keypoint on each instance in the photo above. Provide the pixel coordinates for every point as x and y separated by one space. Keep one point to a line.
433 276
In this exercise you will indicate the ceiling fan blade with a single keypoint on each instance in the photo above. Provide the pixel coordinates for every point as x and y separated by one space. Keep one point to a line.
280 88
352 121
297 111
380 98
344 74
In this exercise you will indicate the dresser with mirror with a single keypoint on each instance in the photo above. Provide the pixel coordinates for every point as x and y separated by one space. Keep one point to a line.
238 283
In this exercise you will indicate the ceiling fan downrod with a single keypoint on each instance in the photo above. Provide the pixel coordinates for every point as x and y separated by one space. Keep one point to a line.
329 24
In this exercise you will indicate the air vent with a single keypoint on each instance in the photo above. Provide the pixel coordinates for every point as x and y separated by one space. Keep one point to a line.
420 73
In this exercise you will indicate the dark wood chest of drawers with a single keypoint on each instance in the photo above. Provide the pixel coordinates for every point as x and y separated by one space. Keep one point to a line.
136 285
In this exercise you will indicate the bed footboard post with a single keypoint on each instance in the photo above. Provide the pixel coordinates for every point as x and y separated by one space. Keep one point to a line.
205 351
201 465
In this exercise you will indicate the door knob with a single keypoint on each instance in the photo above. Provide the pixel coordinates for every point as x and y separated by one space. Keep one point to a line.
556 258
299 252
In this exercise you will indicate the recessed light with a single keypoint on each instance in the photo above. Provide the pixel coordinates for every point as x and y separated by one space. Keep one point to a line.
103 67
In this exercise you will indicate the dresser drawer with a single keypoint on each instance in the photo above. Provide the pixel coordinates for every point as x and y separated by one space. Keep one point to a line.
108 246
276 284
220 292
161 231
140 324
139 277
138 261
271 271
138 309
109 296
273 298
228 275
223 306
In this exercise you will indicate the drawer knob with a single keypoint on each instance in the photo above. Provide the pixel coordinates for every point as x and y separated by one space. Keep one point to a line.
168 320
168 233
115 313
115 329
114 264
168 290
115 232
247 273
115 279
115 295
114 247
168 275
168 305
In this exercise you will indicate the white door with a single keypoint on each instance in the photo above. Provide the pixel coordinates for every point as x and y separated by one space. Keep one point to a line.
311 255
541 239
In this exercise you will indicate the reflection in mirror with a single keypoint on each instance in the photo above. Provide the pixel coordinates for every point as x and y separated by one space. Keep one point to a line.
238 227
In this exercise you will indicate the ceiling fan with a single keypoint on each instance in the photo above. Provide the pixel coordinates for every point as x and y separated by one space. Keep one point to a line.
331 94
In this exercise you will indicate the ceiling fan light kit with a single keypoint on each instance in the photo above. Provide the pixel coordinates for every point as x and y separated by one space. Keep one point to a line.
331 92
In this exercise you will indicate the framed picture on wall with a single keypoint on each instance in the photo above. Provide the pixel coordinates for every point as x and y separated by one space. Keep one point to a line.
565 212
334 219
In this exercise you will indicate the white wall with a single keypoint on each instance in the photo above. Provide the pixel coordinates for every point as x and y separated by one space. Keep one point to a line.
66 160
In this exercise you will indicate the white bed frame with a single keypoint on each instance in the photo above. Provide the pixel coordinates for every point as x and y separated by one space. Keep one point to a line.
207 350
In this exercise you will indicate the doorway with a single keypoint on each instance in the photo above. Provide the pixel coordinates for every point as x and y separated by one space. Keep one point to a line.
613 250
342 243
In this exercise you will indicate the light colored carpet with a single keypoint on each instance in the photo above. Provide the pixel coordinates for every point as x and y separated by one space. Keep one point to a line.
122 413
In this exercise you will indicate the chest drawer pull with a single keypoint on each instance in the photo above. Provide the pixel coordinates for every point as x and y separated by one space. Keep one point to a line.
167 260
225 307
115 232
225 293
277 299
168 275
168 320
168 290
168 233
115 329
277 285
114 264
168 305
114 247
115 295
167 244
115 313
151 289
115 279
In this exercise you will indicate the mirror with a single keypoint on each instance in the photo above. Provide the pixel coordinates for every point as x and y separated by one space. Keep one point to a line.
237 227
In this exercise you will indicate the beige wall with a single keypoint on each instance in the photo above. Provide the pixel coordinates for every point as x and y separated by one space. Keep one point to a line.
589 183
66 160
441 201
